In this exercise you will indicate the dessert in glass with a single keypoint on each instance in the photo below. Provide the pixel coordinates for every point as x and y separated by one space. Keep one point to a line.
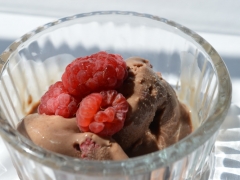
190 66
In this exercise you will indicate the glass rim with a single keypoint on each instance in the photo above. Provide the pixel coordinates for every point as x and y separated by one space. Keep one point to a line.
135 165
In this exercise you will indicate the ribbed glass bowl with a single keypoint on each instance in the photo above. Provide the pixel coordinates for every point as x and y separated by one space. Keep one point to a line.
189 63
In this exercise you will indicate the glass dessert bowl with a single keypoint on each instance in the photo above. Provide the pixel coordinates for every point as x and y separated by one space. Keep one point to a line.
190 64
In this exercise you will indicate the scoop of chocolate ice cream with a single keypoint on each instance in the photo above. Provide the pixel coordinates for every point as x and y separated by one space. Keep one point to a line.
145 92
156 118
62 135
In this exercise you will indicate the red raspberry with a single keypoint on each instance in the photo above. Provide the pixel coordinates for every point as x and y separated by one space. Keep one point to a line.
102 113
100 71
57 101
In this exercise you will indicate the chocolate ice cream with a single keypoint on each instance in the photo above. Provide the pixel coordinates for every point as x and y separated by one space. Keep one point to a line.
155 120
62 135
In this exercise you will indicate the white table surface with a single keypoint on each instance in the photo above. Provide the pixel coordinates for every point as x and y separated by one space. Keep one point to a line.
217 21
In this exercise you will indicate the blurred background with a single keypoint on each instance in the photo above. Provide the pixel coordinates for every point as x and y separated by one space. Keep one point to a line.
217 21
